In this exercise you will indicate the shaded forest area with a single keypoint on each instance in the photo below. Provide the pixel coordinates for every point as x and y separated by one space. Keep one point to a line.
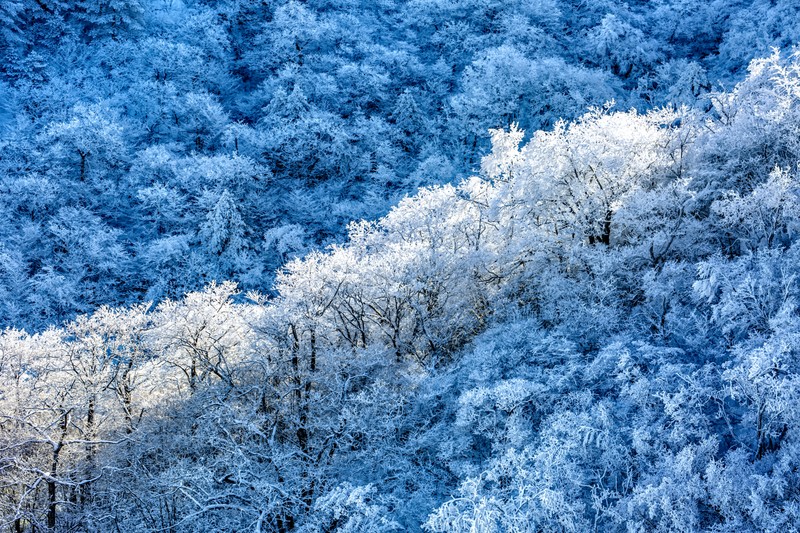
381 267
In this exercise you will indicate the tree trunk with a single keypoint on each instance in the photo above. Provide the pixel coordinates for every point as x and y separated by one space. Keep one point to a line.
605 238
86 489
83 165
52 503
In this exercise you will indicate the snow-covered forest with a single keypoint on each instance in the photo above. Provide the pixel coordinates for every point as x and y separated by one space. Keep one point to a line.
423 265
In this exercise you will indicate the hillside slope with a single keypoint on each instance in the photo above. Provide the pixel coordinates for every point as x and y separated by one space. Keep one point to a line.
599 331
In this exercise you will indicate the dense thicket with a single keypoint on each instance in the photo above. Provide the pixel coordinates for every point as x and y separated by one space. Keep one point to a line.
151 146
600 331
